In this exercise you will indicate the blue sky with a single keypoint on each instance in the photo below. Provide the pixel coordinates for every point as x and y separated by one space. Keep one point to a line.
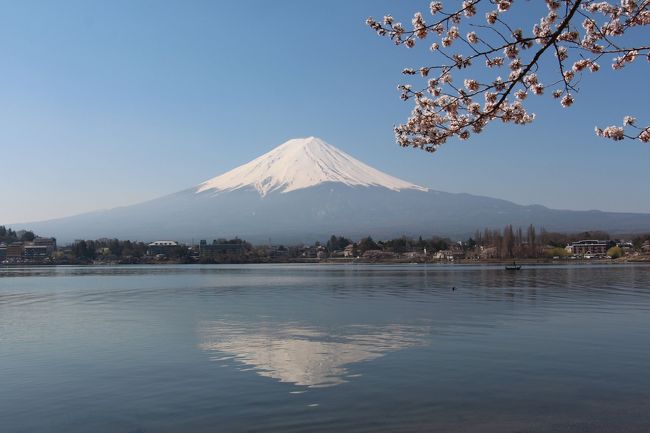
106 104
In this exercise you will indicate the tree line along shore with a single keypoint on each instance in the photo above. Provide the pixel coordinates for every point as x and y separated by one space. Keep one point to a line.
488 245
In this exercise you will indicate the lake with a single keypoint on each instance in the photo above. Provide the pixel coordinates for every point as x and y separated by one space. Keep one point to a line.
321 348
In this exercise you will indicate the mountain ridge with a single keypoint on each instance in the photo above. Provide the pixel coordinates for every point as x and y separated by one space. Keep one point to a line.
306 190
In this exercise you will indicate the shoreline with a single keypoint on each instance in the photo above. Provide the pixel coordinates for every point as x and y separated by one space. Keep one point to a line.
496 262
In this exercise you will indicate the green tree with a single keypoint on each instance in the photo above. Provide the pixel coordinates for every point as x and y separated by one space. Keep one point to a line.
337 243
615 252
366 244
28 236
399 245
556 252
84 250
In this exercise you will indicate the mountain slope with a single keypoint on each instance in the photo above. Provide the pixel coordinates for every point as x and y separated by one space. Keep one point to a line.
307 190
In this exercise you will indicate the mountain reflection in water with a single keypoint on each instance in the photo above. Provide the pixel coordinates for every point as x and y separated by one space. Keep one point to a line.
260 348
305 355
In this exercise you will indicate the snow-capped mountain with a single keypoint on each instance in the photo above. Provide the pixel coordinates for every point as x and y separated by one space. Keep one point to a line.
306 190
303 163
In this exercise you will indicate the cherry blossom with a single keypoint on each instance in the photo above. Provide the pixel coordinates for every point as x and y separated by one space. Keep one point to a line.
573 35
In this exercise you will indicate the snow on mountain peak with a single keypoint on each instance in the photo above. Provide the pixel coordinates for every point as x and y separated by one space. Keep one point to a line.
301 163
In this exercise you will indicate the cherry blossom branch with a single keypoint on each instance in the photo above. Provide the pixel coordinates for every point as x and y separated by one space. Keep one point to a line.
440 114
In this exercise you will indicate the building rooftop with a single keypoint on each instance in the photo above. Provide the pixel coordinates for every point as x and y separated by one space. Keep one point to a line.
164 244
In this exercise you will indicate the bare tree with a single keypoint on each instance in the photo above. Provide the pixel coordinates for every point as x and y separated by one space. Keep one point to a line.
578 33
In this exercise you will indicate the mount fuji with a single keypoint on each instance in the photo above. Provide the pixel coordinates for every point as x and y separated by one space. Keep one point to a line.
306 190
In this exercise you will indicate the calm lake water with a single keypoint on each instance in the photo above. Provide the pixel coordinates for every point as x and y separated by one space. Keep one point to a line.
321 348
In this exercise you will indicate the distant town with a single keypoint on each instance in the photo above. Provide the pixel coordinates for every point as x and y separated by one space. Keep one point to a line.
490 245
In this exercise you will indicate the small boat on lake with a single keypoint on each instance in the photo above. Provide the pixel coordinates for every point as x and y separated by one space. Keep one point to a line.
513 267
